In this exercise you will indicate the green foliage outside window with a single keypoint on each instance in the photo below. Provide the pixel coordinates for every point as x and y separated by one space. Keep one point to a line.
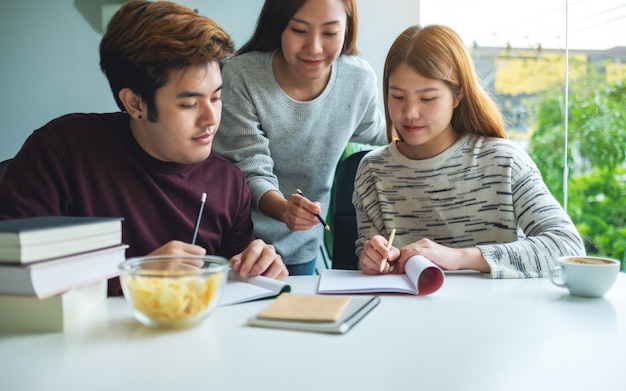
596 161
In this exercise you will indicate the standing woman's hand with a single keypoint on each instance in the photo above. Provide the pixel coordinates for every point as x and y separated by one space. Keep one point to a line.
300 213
297 212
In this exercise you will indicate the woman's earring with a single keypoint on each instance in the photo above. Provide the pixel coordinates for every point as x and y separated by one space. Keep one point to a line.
140 116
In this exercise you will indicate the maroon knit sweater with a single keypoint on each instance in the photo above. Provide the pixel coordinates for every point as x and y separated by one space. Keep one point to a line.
91 165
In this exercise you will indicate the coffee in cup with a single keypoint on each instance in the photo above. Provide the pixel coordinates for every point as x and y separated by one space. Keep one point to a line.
585 276
589 261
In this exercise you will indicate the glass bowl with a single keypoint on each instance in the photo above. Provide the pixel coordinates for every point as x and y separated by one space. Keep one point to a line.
173 291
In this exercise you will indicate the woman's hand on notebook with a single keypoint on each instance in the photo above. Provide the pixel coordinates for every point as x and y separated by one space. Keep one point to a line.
447 258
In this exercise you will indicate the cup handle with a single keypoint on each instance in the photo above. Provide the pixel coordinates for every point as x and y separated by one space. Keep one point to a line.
555 272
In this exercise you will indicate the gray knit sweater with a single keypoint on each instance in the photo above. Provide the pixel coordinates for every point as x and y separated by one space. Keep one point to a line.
484 192
282 144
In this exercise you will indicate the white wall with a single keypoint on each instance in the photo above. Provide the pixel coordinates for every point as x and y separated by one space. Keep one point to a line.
49 54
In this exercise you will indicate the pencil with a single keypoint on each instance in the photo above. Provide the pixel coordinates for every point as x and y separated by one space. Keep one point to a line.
195 232
321 220
389 243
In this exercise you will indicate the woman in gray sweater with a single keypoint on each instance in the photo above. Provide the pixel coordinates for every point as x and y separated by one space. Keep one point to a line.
293 97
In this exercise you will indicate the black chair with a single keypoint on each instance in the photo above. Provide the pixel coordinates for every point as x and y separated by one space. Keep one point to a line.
3 167
344 225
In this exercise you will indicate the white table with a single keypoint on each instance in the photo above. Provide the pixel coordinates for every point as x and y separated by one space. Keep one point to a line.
473 334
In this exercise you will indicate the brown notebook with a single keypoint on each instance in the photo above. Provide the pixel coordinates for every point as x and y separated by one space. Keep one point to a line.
312 308
356 309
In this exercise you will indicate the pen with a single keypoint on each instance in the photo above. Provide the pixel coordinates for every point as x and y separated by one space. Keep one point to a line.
195 232
389 242
326 226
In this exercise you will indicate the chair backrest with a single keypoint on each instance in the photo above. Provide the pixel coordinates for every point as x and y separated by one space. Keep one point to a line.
345 229
3 167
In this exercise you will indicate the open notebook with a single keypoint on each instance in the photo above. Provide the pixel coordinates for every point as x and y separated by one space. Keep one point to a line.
421 277
238 290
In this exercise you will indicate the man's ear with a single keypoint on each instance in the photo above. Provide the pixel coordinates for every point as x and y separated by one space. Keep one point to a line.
132 103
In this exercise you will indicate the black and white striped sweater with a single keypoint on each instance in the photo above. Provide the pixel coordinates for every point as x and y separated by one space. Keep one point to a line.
480 192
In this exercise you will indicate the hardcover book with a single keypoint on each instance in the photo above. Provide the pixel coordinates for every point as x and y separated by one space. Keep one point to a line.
37 238
320 315
47 278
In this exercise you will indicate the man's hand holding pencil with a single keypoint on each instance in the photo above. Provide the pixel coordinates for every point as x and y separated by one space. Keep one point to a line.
258 258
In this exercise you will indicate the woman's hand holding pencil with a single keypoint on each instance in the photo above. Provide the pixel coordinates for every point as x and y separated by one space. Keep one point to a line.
319 218
377 252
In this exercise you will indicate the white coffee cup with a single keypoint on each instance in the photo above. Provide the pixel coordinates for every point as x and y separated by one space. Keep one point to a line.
585 276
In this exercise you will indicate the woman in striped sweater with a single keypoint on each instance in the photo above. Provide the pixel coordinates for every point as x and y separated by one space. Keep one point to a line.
451 184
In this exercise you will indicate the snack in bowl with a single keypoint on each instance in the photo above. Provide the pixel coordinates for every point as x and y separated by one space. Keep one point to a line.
173 291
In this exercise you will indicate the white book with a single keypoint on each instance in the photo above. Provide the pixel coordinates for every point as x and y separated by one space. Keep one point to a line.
47 278
32 239
27 314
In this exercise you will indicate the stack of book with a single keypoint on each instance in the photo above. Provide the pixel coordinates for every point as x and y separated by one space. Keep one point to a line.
49 263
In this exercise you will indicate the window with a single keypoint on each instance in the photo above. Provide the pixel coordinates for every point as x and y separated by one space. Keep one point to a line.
574 128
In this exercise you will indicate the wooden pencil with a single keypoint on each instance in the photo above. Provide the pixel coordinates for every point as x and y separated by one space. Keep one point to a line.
389 244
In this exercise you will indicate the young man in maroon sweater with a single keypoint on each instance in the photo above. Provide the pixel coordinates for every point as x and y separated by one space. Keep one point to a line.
151 162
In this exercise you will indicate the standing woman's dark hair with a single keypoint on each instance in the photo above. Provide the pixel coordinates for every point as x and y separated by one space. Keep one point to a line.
438 52
277 13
